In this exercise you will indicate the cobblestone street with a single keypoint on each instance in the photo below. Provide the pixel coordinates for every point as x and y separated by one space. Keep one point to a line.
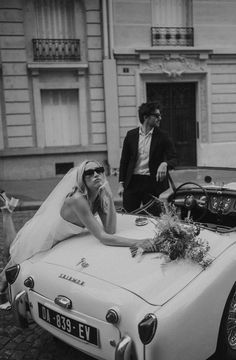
32 343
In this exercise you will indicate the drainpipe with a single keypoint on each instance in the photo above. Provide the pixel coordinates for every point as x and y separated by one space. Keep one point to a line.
105 29
110 24
110 90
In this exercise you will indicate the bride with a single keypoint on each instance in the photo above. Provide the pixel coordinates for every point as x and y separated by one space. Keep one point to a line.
69 210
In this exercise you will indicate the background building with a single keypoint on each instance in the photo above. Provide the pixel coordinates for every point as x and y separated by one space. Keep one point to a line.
73 73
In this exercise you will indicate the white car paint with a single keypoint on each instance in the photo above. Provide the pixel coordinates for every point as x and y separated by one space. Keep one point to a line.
187 300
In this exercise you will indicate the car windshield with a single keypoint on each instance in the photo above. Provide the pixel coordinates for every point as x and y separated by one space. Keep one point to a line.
205 176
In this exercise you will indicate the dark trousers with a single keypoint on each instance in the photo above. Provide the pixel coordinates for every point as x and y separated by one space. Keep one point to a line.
139 192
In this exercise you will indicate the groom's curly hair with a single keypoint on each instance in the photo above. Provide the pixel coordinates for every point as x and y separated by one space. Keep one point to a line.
146 109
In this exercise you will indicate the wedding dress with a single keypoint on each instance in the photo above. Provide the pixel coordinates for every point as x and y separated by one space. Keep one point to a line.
47 227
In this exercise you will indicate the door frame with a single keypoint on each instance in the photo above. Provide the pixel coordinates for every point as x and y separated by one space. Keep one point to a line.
150 74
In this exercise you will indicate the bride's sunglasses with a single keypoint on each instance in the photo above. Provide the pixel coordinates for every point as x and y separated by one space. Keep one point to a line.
90 172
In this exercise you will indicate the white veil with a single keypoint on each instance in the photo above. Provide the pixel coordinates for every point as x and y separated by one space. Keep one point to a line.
37 234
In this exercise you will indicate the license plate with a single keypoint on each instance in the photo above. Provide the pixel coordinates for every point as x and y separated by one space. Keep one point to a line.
73 327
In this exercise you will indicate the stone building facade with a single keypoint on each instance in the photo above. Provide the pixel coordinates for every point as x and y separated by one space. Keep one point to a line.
73 73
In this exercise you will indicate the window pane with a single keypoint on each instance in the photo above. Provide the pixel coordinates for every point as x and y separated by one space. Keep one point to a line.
172 13
61 117
54 18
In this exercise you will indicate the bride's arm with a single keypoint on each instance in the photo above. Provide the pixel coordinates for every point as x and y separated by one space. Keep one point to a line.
106 210
80 208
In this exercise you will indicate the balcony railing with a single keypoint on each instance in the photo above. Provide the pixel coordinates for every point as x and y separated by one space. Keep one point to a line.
56 49
172 36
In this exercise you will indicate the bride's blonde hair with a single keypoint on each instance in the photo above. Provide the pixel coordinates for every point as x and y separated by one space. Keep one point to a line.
80 176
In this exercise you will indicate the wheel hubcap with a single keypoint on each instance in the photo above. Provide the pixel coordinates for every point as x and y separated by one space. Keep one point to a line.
231 323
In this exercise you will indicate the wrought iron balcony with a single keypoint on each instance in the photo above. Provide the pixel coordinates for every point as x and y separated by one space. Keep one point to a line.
172 36
56 49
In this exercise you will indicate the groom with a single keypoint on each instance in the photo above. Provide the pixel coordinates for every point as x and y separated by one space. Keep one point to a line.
147 154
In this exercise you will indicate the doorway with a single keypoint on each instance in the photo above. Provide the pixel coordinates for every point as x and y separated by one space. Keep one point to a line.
178 107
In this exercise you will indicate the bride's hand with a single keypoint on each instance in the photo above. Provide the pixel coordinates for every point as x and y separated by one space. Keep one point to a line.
105 189
147 245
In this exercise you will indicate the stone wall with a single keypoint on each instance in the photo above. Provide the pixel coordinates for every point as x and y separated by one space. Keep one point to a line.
223 98
22 150
17 129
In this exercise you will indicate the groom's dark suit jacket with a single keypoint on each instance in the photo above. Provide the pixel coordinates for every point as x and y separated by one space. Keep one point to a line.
161 149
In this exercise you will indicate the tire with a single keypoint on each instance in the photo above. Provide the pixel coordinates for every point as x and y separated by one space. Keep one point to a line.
226 347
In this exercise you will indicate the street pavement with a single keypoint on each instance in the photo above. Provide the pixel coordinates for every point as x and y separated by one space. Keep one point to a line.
32 343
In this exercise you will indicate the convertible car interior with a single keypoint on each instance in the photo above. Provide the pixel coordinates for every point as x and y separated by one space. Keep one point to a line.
208 201
213 206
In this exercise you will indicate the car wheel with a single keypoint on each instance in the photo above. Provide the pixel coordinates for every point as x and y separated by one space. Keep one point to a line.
226 348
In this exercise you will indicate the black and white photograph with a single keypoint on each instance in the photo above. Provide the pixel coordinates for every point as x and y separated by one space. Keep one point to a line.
117 180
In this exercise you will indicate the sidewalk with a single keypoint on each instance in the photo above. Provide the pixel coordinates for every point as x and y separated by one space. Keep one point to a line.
33 192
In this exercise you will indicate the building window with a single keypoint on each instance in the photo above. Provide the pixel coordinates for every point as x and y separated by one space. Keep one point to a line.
60 117
55 31
172 13
172 21
55 19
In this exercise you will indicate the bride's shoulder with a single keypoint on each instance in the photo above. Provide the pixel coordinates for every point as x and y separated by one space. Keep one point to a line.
74 204
76 198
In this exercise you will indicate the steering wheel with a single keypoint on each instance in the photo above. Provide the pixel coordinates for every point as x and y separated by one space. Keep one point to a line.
190 202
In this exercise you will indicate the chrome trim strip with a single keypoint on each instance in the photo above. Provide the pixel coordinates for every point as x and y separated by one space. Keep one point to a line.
123 348
20 308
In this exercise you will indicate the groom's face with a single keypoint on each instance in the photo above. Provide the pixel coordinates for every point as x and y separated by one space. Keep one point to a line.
154 118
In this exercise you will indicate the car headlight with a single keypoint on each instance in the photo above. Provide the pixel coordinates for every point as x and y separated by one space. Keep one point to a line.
12 273
147 328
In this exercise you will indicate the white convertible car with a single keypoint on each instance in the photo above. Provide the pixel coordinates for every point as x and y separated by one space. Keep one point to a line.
110 305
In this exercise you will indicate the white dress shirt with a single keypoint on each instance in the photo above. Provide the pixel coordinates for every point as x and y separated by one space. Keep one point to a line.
141 167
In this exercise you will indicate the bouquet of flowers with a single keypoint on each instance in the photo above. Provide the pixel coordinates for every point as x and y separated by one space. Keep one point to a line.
176 239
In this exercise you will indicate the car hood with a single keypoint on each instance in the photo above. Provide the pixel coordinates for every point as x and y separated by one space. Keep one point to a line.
149 277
